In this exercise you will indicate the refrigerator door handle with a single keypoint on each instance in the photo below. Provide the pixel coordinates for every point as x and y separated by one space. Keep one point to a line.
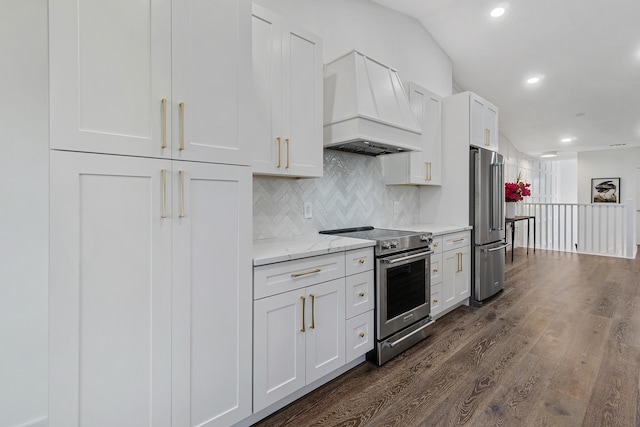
497 201
505 246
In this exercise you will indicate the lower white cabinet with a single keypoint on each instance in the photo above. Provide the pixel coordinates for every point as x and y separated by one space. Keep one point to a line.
142 295
450 271
317 325
456 268
299 337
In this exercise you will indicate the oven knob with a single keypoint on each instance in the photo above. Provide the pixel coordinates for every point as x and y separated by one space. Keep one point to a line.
386 245
394 244
426 238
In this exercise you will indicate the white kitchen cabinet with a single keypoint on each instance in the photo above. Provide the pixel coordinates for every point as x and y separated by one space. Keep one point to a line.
470 118
456 264
110 291
299 336
142 291
484 123
211 294
287 98
436 276
425 167
156 79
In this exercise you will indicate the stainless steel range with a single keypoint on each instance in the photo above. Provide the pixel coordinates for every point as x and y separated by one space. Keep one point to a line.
403 287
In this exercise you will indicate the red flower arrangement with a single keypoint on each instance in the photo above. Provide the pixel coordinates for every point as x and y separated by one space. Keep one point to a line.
516 191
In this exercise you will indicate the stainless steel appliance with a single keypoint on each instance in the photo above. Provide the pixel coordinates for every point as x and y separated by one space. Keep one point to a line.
487 217
403 288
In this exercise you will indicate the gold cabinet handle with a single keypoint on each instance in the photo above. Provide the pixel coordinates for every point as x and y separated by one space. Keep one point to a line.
278 139
361 261
487 137
286 140
164 193
181 173
181 126
361 334
426 171
313 311
458 240
303 303
435 245
317 270
361 294
164 123
435 300
459 262
435 270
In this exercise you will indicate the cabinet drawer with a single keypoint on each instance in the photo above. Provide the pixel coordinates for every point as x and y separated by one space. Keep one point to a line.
359 260
280 277
436 299
436 246
436 269
359 335
359 297
456 240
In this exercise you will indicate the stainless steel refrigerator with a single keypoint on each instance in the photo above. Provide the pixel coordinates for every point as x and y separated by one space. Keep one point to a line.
487 218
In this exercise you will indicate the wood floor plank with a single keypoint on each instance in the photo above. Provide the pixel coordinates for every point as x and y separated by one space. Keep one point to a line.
559 346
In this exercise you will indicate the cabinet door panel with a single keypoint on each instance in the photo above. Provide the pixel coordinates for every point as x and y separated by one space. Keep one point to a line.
266 92
211 54
477 122
302 59
211 294
279 348
325 341
110 67
110 292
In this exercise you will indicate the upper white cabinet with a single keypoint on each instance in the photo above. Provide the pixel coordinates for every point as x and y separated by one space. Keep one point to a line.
153 79
419 168
287 98
470 117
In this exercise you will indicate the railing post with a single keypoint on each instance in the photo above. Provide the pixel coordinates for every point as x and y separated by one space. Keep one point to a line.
630 246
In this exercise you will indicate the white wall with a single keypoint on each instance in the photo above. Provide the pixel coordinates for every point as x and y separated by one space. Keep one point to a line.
567 180
385 35
615 163
24 212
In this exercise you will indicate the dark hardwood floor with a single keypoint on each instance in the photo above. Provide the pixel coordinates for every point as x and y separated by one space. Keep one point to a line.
560 346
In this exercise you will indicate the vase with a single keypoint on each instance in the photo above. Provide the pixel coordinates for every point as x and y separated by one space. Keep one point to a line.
510 212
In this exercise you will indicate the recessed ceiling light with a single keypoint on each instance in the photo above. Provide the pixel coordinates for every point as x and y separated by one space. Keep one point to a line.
498 11
565 140
549 154
533 80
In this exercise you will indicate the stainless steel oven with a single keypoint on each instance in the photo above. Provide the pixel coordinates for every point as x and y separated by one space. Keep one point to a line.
403 288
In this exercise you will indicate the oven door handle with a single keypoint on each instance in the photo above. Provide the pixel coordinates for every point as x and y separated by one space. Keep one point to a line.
393 344
405 258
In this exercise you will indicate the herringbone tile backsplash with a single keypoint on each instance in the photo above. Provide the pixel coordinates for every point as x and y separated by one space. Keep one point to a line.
351 193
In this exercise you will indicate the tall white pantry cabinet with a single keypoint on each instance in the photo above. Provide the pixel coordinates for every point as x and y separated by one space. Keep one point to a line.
150 195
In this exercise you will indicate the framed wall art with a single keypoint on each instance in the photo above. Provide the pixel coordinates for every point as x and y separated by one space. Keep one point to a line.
605 190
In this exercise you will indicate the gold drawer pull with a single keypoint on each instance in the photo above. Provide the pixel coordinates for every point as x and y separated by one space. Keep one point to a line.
361 294
458 240
361 261
317 270
313 311
435 270
435 245
435 300
361 334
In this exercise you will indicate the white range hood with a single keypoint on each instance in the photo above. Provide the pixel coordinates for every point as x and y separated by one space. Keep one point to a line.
366 109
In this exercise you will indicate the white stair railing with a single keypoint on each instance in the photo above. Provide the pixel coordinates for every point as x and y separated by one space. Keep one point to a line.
595 228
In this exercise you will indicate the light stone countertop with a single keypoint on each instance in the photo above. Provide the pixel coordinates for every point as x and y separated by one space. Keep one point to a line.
436 229
268 251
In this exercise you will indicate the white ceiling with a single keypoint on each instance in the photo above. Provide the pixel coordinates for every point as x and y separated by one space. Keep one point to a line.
587 50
